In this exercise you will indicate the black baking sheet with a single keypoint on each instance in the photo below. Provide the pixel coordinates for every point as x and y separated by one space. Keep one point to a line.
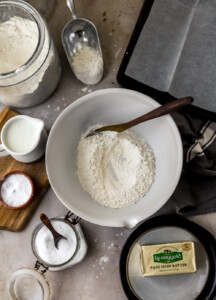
172 53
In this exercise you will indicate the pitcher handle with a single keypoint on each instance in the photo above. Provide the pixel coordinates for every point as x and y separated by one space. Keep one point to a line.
3 152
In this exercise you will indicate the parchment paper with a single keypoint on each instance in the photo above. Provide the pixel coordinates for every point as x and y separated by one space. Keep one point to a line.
176 50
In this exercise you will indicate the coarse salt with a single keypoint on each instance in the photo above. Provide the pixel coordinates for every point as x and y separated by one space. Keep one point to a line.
16 190
45 247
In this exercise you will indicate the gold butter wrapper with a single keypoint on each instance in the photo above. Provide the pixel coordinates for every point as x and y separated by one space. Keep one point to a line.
168 259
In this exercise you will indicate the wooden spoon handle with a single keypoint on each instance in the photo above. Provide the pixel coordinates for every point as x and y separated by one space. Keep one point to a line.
45 220
160 111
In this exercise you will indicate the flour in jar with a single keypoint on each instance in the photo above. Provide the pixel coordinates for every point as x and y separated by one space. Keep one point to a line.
19 39
28 54
117 170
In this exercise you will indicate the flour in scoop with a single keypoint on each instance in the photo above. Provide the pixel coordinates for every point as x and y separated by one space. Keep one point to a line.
87 64
117 170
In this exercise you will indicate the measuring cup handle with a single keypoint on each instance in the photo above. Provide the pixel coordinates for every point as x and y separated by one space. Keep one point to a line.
71 6
3 152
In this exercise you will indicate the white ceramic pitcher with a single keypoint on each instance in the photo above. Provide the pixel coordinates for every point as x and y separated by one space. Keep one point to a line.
24 138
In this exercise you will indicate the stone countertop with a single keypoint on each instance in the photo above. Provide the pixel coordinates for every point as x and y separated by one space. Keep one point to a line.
97 276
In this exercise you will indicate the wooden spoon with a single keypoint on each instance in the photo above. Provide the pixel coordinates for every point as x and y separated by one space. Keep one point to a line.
158 112
56 236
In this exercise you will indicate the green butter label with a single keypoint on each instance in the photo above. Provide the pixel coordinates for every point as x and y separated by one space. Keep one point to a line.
166 258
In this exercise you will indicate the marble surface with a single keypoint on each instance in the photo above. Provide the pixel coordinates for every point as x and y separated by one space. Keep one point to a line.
97 276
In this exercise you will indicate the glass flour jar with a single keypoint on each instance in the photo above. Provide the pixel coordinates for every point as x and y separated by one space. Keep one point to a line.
29 77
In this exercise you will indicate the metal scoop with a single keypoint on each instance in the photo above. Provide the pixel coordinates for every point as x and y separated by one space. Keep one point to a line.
76 35
155 113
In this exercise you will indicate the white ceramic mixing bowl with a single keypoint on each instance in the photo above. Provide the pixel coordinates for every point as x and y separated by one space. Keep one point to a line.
112 106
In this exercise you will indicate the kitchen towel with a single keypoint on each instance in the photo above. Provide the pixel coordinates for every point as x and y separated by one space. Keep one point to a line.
196 191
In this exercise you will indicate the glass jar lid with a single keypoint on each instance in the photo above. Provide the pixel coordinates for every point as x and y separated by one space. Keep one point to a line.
28 284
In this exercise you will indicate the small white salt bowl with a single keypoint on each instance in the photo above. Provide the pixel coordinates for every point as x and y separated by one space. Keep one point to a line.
18 193
112 106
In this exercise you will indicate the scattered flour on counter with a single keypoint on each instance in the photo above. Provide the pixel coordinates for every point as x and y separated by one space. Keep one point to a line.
84 89
104 259
118 52
117 170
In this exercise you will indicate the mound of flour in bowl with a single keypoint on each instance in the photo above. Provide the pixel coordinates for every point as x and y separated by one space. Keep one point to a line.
117 170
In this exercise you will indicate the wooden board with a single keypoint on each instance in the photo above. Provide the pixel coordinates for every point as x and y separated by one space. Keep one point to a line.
16 220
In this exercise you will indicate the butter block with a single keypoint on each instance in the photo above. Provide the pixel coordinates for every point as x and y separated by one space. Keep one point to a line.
167 259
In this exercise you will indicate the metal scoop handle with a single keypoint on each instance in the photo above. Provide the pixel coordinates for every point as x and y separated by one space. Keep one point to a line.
71 6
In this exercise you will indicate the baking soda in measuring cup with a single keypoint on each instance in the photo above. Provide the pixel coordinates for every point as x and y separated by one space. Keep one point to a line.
24 138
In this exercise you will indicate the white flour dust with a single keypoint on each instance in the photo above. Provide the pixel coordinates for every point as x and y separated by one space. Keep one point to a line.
103 259
117 170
